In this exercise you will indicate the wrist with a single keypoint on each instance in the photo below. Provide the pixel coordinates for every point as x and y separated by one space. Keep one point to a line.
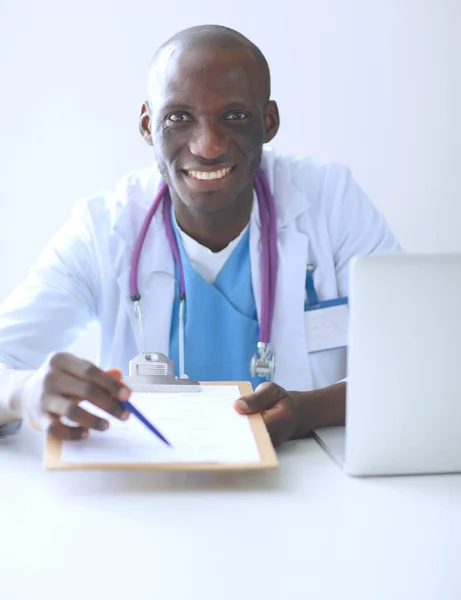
325 407
31 392
12 394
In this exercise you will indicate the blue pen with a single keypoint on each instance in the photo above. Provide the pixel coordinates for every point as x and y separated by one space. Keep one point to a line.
145 422
311 298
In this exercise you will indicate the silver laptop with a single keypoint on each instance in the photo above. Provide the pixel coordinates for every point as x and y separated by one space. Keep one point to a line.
404 368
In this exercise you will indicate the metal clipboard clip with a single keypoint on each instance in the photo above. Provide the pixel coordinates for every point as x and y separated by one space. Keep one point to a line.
153 372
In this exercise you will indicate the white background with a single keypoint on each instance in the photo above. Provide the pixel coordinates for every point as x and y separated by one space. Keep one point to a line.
373 84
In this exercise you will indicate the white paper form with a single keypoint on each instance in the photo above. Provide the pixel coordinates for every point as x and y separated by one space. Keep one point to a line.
201 427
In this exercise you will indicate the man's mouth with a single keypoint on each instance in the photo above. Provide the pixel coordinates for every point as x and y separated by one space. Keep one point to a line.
209 175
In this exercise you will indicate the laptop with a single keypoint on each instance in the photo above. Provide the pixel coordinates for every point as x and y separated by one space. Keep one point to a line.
403 413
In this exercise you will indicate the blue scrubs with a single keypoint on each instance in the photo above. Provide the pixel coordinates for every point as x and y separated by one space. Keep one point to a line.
221 325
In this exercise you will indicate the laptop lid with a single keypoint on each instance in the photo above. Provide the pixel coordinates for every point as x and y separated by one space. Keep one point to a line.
404 365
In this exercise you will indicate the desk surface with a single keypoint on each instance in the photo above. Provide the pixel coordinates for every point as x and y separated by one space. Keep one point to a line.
304 531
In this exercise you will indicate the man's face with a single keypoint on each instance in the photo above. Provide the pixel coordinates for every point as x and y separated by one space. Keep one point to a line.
208 121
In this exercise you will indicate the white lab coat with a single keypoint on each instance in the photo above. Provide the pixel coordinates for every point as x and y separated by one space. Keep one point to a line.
323 218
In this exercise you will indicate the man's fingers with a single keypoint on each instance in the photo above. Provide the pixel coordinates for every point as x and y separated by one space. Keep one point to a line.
115 373
276 420
64 432
63 407
86 371
62 384
265 397
276 407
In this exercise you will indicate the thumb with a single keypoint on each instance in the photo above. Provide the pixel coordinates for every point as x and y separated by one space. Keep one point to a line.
265 396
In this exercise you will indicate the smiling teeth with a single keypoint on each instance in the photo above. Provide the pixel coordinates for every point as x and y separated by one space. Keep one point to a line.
207 175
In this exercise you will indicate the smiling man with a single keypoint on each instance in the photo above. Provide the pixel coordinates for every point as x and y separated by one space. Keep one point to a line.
208 115
244 246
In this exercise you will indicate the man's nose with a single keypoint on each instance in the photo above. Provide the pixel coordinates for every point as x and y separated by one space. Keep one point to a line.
209 141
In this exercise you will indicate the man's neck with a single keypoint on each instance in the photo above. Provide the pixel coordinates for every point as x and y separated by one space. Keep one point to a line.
215 229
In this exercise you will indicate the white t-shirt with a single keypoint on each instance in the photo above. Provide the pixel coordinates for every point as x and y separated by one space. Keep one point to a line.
202 259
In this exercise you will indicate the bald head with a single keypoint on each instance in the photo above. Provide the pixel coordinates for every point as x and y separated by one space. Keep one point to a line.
211 39
209 108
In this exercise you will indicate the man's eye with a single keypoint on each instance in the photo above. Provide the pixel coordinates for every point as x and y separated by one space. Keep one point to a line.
236 116
178 117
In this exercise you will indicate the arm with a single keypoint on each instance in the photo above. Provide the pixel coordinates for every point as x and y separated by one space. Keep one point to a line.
325 407
47 311
44 315
355 227
55 391
294 415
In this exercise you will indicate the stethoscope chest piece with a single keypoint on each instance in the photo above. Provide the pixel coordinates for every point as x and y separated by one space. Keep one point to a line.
263 363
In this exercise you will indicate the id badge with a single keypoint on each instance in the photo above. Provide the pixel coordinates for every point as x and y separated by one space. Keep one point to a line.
326 325
326 321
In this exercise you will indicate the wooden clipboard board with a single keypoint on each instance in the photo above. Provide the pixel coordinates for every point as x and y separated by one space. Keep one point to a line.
52 454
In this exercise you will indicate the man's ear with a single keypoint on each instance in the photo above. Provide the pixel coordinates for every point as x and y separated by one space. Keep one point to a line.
271 121
145 124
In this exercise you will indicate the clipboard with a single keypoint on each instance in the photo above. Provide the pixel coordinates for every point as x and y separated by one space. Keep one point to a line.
268 458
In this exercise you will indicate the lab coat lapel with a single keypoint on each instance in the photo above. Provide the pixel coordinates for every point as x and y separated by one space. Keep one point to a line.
156 276
288 331
157 281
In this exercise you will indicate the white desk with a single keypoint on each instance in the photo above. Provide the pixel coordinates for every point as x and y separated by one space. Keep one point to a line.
305 531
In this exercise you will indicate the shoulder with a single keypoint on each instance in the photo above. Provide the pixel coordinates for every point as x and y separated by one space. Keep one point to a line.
320 182
106 206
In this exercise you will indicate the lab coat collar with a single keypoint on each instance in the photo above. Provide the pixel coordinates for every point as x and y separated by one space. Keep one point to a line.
156 281
290 202
288 332
137 192
156 268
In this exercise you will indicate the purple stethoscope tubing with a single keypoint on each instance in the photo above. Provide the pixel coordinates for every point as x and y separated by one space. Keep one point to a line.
267 217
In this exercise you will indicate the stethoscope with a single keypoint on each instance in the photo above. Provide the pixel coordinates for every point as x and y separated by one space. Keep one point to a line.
263 362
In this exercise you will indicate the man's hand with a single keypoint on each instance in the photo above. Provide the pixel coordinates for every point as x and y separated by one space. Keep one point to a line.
62 383
279 409
291 415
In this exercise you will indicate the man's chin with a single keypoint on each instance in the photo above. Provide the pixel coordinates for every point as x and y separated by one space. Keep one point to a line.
205 196
207 203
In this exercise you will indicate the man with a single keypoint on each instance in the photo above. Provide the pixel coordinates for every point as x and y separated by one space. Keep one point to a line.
207 117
